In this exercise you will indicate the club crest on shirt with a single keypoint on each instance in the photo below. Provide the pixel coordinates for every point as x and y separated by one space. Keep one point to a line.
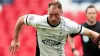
85 39
31 18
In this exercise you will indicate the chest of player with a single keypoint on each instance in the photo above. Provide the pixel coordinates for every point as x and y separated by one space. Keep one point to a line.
54 33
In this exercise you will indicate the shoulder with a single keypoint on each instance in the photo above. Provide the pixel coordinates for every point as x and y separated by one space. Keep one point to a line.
65 19
33 15
98 22
84 24
44 17
68 21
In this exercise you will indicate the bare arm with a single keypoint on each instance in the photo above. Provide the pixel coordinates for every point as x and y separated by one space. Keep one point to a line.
18 27
72 45
71 42
15 43
93 35
90 33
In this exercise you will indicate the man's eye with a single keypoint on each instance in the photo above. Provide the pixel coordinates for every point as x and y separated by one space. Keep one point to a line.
56 14
89 13
51 14
93 13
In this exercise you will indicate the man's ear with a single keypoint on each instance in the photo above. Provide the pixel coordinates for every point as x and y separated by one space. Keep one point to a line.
62 11
47 10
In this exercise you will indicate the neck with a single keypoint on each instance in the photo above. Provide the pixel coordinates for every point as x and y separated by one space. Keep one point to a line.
51 24
91 23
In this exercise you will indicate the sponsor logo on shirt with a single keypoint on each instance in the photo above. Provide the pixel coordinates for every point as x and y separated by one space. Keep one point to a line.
50 42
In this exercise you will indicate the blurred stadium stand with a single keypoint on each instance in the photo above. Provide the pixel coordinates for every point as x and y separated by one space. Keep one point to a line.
10 10
85 1
5 1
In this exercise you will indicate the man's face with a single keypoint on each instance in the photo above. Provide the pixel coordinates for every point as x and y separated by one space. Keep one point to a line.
91 14
54 14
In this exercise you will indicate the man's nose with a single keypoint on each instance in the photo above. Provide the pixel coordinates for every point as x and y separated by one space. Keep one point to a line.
53 18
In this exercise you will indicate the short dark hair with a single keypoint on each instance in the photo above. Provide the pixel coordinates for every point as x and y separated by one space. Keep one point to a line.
90 6
55 3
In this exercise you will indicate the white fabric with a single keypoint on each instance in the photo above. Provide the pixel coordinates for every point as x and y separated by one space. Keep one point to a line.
52 39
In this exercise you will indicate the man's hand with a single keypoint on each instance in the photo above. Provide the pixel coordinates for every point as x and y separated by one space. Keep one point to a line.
76 53
14 47
97 40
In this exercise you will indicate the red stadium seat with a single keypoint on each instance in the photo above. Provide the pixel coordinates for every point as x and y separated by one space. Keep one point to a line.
78 46
68 15
80 17
67 48
98 16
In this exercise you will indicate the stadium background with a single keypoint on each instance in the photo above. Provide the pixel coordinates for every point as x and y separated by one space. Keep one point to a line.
10 10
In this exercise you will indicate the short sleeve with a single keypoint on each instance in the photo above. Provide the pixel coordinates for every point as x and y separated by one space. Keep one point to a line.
75 28
31 19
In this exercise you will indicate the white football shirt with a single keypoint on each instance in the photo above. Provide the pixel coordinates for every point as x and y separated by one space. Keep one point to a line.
51 40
